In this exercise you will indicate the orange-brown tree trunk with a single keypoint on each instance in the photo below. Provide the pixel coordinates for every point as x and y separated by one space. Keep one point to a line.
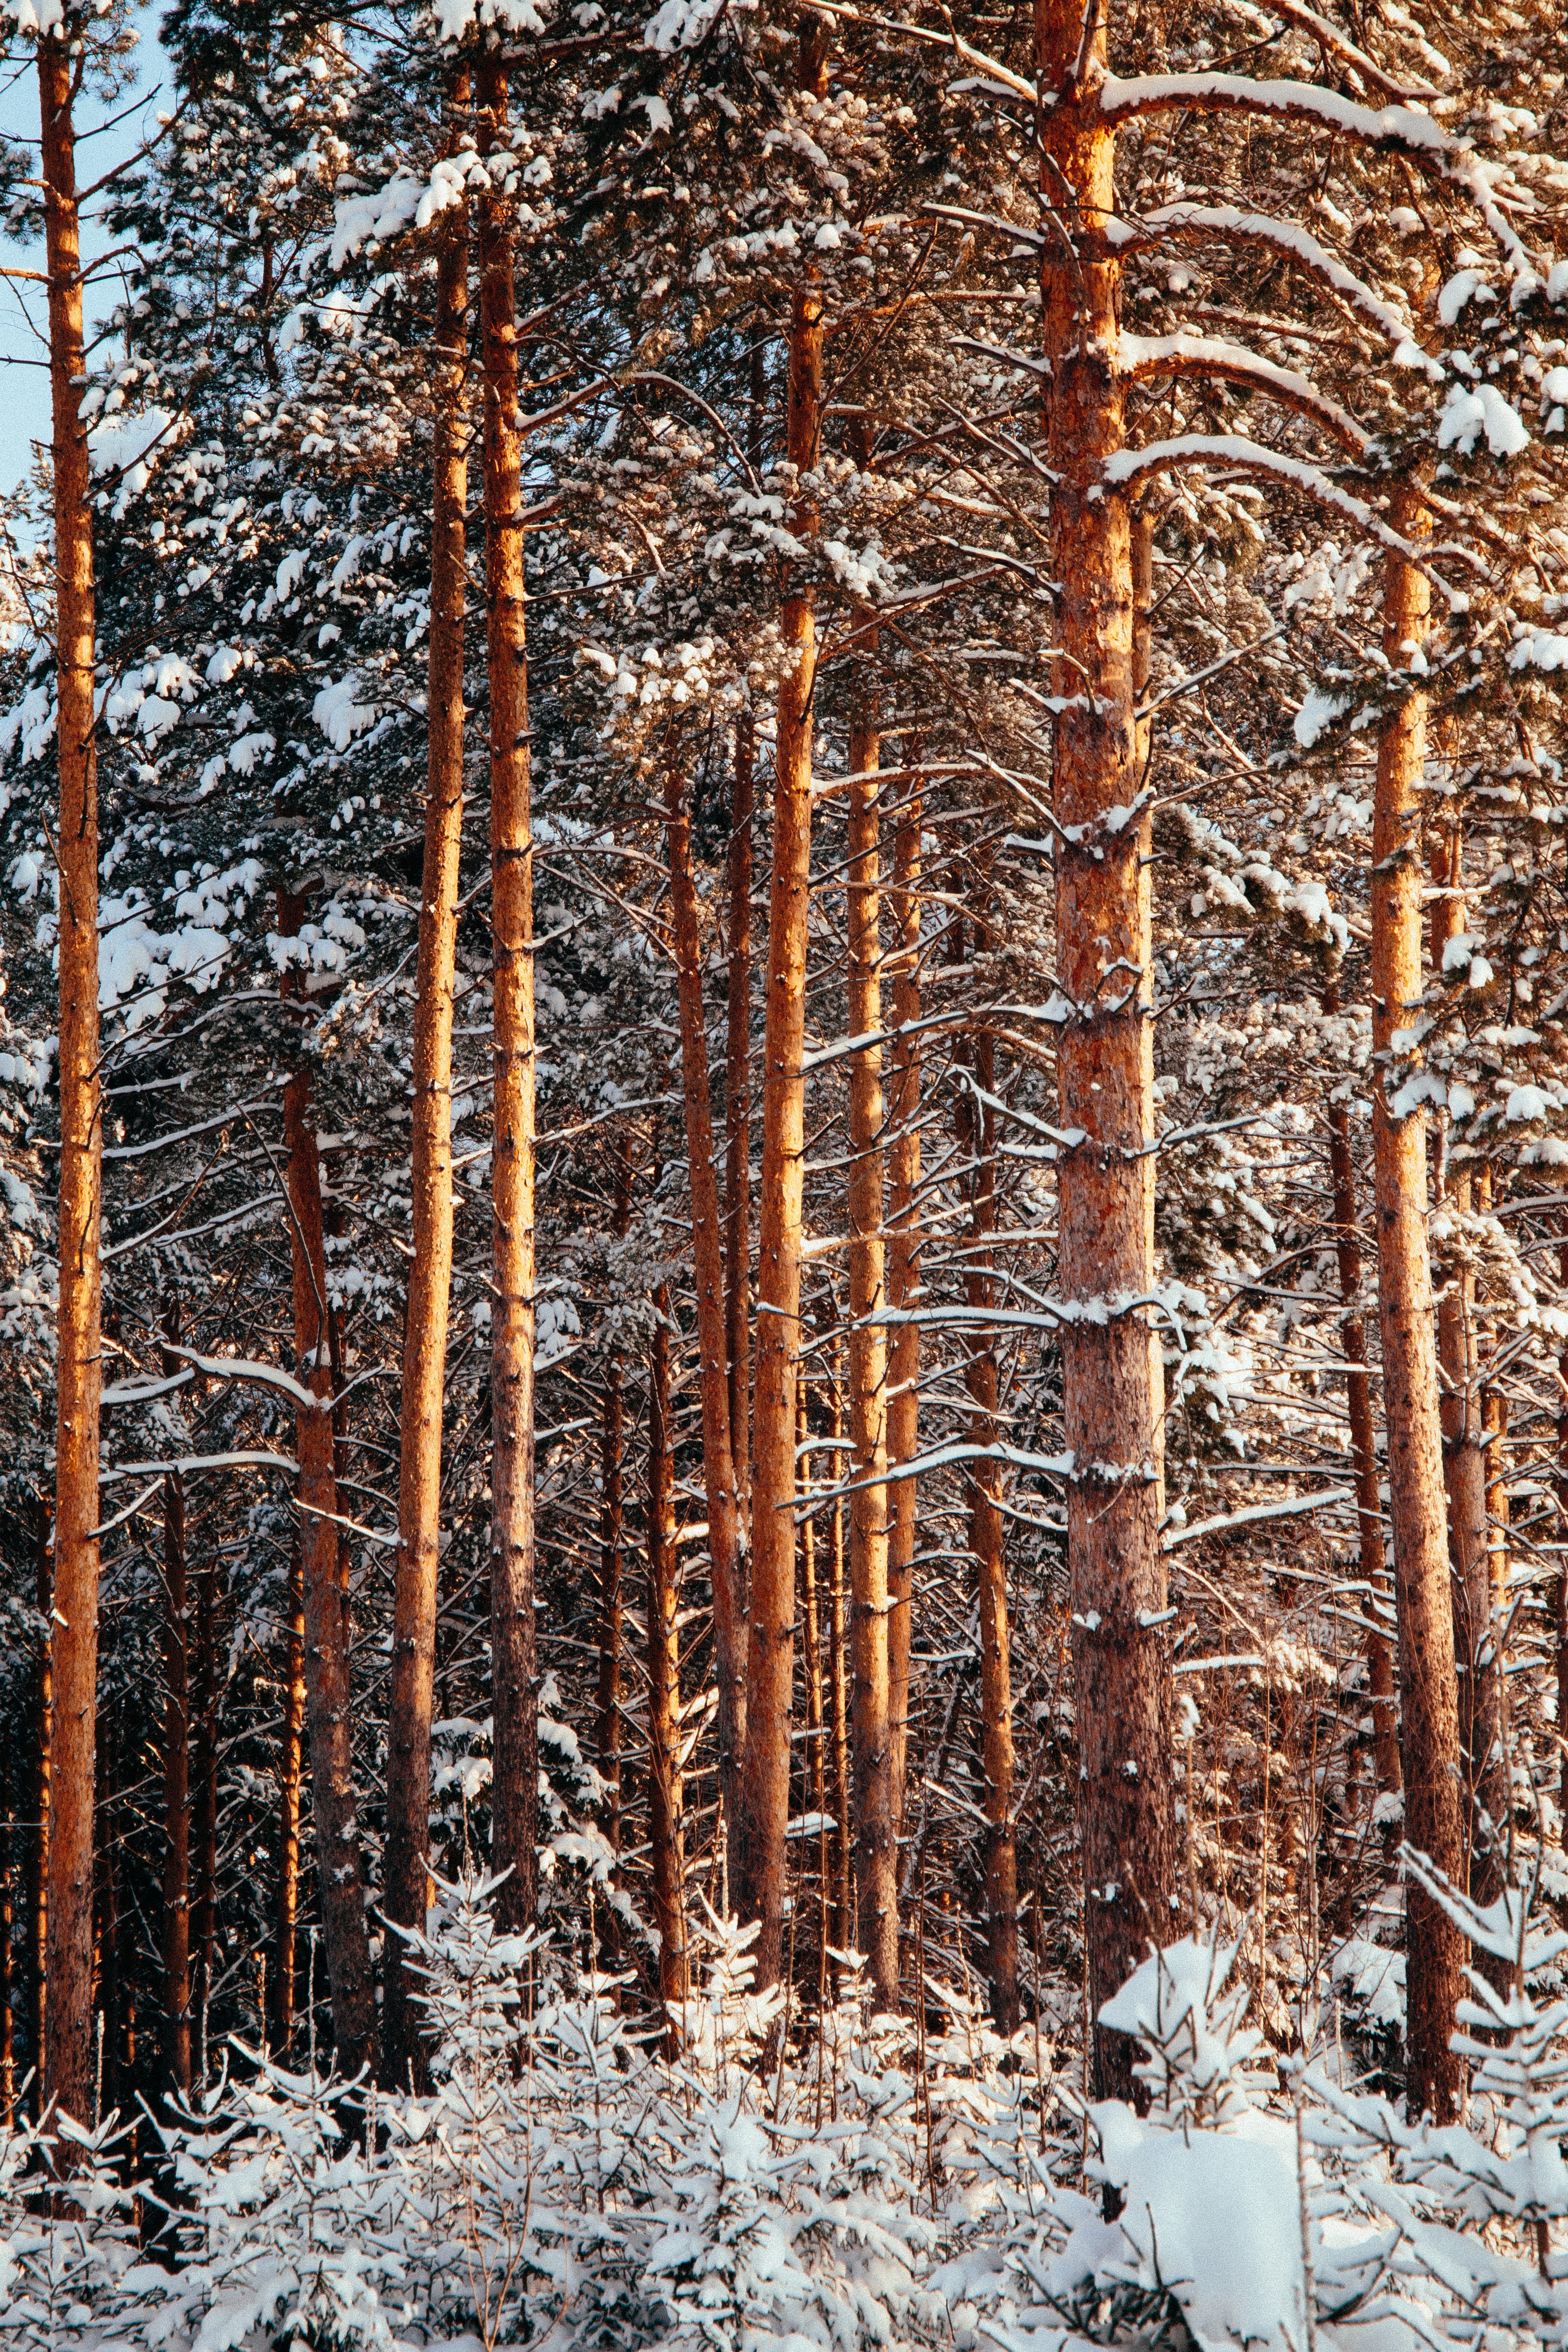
340 1867
290 1753
7 1966
612 1530
1430 1720
737 1126
987 1545
764 1810
903 1281
514 1793
1461 1414
42 1777
430 1270
1117 1571
68 2037
1363 1444
666 1796
876 1850
724 1530
176 1765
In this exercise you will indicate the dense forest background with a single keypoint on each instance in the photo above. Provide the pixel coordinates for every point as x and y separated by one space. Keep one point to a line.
783 1084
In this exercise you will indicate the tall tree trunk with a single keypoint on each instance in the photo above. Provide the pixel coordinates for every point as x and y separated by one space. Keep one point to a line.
340 1869
1461 1411
1430 1721
176 1765
43 1786
814 1775
68 2041
612 1526
1487 1755
290 1751
839 1675
764 1812
514 1795
987 1544
725 1541
903 1281
1117 1571
738 1126
406 1870
1142 550
7 1965
876 1851
1363 1444
203 1811
665 1780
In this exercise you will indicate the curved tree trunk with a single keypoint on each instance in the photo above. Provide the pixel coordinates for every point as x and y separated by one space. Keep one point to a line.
1430 1720
1117 1571
67 2072
514 1798
430 1268
724 1531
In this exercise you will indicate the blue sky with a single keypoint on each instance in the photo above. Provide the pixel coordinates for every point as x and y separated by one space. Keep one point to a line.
25 383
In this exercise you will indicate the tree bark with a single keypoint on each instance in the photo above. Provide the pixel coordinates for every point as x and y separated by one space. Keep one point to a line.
725 1540
876 1851
904 1291
39 1886
203 1810
7 1967
514 1794
1364 1443
340 1868
68 2039
666 1779
1461 1414
612 1526
291 1748
406 1870
177 1767
738 1128
1117 1571
511 836
765 1811
1429 1722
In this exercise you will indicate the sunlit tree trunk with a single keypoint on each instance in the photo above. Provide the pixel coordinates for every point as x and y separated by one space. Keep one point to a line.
1430 1721
903 1279
43 1713
68 2036
514 1669
765 1811
666 1779
1117 1571
875 1853
1461 1408
430 1268
1364 1441
290 1753
724 1533
738 1126
340 1868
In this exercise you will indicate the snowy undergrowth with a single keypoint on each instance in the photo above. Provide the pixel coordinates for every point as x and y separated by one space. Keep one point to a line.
567 2183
